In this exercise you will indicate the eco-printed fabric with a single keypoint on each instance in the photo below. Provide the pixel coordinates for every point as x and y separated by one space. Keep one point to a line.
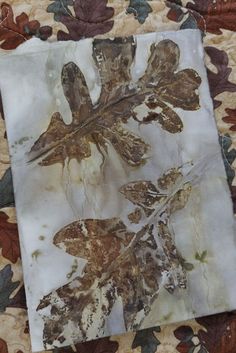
116 162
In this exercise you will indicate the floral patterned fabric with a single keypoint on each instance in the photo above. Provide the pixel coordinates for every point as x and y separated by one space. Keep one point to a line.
76 19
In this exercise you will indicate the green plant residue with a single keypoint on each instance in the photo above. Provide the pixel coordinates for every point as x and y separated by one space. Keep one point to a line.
36 254
201 256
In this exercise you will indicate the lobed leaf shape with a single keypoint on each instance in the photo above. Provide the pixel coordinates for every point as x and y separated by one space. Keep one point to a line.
90 18
143 193
180 90
163 61
14 31
84 238
219 79
60 8
92 124
103 123
124 265
169 196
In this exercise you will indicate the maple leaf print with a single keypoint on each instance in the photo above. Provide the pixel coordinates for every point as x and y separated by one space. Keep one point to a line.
124 265
103 123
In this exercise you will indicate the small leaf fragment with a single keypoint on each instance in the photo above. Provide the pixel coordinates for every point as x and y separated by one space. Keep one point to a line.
135 216
201 256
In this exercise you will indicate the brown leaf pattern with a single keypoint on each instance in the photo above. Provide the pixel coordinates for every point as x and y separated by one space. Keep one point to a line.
124 264
225 336
104 123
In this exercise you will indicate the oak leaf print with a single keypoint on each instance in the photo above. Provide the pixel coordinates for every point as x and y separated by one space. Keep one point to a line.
161 88
13 32
82 18
129 266
219 81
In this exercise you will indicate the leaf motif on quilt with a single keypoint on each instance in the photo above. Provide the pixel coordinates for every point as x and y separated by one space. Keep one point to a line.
140 9
103 345
211 15
103 124
124 264
220 81
82 18
13 32
216 335
187 17
9 240
6 189
185 335
3 346
147 340
229 156
60 8
7 287
218 14
230 118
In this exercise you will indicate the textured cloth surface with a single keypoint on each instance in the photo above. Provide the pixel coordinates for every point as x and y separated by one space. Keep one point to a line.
60 20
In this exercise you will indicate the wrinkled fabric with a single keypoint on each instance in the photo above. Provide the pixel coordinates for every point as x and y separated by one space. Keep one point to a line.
102 130
220 60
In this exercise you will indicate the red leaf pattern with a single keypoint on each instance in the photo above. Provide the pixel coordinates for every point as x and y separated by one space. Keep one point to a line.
9 240
14 32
